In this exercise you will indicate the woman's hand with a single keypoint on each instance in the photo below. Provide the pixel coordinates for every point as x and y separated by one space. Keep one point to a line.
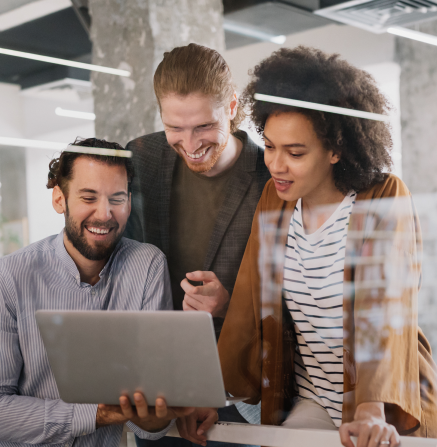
369 427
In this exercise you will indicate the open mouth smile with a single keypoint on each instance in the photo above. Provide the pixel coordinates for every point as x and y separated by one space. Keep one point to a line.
99 231
281 184
197 155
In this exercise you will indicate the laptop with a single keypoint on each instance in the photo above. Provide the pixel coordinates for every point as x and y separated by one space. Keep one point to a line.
96 356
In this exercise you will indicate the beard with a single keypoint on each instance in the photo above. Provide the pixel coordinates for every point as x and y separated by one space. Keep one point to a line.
214 154
101 249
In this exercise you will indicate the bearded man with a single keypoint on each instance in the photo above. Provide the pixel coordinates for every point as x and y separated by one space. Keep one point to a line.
199 181
197 188
88 266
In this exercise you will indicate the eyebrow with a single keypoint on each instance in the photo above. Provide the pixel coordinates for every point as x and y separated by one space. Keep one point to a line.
198 125
286 145
92 191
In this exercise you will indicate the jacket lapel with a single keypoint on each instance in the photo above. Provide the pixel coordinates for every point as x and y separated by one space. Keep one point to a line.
169 157
235 192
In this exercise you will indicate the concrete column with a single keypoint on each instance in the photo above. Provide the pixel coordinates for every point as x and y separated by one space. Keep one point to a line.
418 94
133 35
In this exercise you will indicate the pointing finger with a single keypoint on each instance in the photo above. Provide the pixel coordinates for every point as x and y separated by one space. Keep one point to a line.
199 275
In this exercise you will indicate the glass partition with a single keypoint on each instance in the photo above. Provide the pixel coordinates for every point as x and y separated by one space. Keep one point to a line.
279 177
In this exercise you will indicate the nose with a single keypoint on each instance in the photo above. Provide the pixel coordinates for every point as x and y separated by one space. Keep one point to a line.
103 212
276 163
190 143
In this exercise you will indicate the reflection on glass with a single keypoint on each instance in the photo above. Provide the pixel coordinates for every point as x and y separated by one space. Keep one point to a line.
322 326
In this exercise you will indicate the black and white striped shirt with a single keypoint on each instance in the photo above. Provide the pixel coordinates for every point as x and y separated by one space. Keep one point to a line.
313 290
44 276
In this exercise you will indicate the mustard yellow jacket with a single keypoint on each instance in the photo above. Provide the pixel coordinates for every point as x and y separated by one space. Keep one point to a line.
386 356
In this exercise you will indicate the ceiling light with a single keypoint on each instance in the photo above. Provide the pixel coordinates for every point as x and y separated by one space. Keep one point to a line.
31 11
321 107
249 32
55 60
415 35
22 142
99 151
75 114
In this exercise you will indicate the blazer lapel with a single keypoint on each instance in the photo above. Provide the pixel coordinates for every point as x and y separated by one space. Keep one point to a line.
169 157
235 193
236 190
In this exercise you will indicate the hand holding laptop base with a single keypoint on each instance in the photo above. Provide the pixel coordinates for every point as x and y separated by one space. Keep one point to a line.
147 418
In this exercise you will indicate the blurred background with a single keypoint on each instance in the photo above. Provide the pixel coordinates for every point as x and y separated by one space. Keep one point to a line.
45 105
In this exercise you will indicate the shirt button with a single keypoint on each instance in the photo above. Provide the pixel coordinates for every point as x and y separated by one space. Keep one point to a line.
93 292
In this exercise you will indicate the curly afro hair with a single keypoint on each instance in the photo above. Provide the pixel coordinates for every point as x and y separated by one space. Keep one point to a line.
309 74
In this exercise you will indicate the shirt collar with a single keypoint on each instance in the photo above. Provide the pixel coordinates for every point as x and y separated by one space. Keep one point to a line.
70 265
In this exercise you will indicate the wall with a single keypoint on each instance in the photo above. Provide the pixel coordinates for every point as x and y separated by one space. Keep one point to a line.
41 123
31 114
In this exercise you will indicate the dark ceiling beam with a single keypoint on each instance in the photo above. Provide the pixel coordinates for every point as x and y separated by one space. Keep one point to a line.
81 9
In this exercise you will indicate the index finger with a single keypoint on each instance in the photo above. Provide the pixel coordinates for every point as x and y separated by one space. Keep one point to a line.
200 275
208 289
188 288
345 435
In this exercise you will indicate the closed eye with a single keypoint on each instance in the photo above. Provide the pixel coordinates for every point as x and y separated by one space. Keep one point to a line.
117 201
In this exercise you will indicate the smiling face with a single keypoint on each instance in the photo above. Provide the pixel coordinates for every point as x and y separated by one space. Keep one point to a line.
197 128
96 208
299 164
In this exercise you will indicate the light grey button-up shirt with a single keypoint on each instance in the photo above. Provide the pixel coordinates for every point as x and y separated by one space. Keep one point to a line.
44 276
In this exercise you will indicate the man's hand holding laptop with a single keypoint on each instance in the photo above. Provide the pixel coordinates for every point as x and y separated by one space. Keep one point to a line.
151 419
155 419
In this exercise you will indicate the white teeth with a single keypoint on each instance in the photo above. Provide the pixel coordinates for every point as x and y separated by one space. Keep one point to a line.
98 230
198 155
282 181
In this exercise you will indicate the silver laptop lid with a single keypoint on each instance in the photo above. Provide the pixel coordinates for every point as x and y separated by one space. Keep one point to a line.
96 356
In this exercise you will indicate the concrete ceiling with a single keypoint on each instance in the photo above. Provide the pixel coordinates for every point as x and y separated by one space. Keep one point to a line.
64 33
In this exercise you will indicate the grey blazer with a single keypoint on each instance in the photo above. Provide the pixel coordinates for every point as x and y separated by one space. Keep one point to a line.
149 222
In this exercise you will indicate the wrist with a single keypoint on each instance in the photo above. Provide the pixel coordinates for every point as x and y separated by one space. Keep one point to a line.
154 427
370 410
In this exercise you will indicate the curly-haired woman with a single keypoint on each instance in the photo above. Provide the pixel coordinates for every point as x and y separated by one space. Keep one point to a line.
322 325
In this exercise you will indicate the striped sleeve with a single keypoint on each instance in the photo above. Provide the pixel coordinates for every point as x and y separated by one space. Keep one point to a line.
25 419
84 419
142 434
157 291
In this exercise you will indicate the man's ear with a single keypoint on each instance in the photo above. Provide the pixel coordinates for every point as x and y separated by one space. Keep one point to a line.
233 107
130 203
58 200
